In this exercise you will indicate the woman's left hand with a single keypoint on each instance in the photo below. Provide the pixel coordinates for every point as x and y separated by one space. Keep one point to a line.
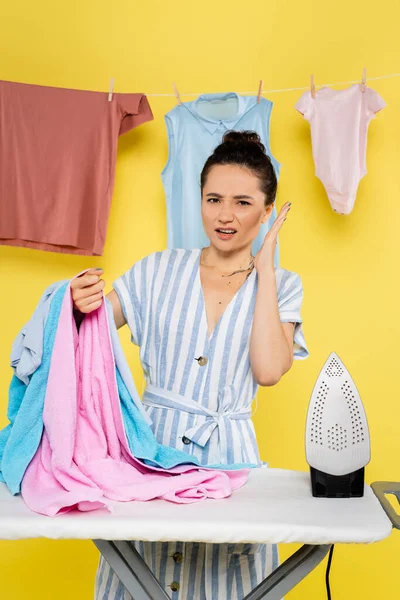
264 259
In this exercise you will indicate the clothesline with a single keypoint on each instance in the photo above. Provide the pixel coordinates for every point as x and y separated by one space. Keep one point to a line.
293 89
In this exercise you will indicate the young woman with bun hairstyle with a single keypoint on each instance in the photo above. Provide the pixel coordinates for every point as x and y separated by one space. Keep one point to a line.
212 324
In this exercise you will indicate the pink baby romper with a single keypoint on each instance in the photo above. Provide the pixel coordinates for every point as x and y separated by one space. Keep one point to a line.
339 122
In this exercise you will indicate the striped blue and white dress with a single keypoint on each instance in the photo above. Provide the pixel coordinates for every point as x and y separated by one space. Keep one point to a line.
200 406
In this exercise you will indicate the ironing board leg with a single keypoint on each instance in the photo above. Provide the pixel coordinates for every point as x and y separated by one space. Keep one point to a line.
289 573
131 569
140 582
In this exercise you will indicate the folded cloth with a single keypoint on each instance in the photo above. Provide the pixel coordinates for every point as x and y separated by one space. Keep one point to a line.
84 458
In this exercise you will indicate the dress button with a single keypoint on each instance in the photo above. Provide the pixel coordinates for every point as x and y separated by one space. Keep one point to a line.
178 556
175 587
186 440
202 361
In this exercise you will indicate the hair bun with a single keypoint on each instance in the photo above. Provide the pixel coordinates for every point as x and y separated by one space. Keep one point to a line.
242 138
244 149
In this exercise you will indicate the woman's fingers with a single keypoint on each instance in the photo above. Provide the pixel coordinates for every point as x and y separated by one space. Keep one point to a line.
280 219
91 307
89 290
283 212
277 224
89 278
86 302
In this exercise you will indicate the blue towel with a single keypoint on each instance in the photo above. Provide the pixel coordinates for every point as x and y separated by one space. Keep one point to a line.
20 440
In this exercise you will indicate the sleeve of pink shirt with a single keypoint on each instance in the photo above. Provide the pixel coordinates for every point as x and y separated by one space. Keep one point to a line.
304 104
374 103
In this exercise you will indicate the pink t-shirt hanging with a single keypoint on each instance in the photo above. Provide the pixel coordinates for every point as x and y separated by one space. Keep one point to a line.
58 152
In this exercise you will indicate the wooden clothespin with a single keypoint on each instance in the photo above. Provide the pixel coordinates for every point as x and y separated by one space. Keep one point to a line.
364 80
177 96
260 87
312 83
110 90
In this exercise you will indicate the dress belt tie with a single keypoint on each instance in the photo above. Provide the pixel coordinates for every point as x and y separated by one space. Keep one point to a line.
199 434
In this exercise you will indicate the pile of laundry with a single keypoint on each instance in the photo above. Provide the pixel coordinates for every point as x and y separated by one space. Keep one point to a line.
79 437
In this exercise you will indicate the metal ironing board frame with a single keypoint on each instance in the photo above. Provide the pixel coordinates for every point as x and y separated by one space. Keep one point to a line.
380 489
140 582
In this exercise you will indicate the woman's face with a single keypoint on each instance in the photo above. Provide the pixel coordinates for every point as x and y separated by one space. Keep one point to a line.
232 200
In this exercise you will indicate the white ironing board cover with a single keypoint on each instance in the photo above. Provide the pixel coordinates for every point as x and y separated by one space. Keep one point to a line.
274 506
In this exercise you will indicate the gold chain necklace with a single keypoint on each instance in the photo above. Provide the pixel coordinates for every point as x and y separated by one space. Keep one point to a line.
251 266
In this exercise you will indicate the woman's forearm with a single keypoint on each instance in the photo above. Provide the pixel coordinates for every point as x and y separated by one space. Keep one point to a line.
270 353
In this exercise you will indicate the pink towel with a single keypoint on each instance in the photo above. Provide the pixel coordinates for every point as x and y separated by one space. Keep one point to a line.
84 460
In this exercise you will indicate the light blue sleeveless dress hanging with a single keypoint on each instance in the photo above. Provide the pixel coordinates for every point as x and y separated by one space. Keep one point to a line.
195 129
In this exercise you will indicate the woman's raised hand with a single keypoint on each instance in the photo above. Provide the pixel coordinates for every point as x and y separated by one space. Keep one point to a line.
264 259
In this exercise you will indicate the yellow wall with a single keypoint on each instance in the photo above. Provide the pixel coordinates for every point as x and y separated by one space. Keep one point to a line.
348 264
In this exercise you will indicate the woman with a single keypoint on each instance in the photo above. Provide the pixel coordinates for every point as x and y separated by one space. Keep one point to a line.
212 324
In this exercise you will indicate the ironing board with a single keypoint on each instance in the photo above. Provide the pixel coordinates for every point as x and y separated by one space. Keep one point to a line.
275 506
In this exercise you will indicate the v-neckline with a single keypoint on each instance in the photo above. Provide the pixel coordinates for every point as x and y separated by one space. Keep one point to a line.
203 302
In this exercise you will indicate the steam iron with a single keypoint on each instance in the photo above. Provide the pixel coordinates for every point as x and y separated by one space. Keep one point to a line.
337 435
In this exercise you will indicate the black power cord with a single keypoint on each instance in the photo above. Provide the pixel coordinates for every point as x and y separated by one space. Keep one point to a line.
328 568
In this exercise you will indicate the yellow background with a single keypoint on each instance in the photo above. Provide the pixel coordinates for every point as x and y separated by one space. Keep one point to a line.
349 265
